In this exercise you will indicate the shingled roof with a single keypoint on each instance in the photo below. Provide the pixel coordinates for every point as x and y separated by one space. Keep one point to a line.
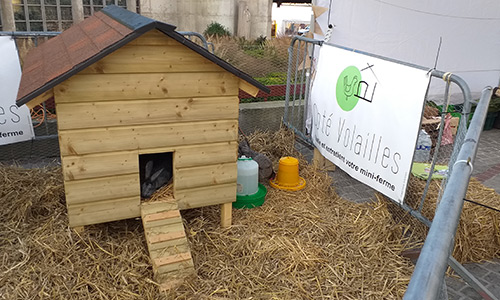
89 41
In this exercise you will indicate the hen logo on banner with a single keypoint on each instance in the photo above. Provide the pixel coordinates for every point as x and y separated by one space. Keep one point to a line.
366 115
15 122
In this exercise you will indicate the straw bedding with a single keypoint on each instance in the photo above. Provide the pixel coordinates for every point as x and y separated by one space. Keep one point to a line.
478 233
299 245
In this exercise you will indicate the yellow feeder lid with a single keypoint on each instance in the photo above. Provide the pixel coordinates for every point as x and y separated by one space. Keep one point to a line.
288 175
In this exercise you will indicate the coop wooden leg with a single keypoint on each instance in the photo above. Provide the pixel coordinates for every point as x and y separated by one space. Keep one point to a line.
320 162
79 229
226 211
317 159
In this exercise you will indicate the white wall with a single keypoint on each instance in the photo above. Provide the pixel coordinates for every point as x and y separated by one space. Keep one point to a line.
196 15
165 11
410 30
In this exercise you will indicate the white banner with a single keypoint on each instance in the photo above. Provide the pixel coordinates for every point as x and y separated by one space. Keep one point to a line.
366 115
15 122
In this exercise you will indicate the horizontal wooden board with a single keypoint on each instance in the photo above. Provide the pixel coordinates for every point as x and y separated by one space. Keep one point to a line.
172 214
139 112
40 98
103 211
176 237
86 208
154 37
165 229
170 250
206 175
166 241
200 155
86 141
170 259
97 87
100 165
168 283
126 162
157 207
204 196
175 269
248 88
152 59
159 223
101 189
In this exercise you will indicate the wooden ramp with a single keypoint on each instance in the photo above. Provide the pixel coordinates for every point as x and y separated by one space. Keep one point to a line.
167 243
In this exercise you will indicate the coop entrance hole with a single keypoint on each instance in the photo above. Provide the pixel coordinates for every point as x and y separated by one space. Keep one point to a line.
155 172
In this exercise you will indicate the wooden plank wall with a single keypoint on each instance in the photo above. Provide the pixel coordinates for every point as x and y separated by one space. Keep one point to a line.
150 96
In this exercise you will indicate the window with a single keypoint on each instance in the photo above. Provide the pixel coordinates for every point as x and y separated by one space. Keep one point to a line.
42 15
54 15
92 6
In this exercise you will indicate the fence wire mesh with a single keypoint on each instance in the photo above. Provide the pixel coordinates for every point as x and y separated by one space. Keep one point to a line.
44 148
264 59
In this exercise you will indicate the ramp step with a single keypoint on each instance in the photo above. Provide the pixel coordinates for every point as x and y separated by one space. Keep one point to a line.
158 206
176 270
164 237
170 284
160 261
168 250
167 243
172 214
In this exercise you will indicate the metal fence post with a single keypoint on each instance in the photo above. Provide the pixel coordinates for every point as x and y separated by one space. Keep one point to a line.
428 276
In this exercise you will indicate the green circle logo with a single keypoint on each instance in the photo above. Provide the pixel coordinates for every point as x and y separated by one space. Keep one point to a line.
347 87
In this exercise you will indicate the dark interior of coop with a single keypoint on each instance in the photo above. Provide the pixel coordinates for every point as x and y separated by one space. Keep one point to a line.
155 171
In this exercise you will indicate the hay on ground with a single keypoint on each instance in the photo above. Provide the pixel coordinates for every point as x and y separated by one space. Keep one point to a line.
309 244
478 232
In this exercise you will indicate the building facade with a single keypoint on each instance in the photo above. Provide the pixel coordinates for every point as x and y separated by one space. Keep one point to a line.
187 15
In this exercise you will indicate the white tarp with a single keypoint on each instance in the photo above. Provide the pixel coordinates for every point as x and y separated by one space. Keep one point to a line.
15 122
364 119
410 31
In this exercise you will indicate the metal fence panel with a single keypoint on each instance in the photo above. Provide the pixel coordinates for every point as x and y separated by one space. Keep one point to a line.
428 277
301 69
444 152
451 153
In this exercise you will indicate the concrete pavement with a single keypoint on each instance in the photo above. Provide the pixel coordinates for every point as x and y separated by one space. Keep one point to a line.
486 170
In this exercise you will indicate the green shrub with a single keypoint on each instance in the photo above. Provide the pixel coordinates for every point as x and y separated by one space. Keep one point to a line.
273 78
256 48
494 105
261 99
261 41
216 29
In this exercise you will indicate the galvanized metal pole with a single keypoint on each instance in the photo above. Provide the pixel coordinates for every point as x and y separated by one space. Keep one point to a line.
428 276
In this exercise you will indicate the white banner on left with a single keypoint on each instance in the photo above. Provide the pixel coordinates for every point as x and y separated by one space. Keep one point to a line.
15 122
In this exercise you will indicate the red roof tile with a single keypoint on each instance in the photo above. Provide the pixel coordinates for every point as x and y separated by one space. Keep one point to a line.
74 46
85 43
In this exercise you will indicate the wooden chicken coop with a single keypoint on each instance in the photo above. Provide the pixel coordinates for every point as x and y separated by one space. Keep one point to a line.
126 86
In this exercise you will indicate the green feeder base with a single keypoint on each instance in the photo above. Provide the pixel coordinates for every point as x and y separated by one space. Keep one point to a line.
251 201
